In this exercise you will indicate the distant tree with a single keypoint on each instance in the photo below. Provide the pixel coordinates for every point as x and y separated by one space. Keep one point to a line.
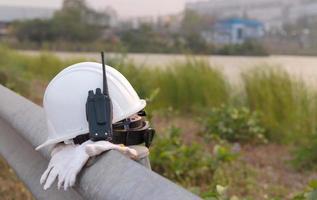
74 22
146 39
192 22
34 30
192 25
138 39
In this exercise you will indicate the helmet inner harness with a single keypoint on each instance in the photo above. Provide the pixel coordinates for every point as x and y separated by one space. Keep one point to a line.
133 130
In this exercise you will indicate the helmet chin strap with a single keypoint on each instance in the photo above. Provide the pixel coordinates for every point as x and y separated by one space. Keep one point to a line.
134 130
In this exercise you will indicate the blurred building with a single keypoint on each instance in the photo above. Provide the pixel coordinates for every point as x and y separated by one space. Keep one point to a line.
9 14
171 23
4 28
273 13
234 31
136 22
13 13
113 16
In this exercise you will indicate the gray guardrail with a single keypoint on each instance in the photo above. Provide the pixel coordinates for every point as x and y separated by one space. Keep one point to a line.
112 176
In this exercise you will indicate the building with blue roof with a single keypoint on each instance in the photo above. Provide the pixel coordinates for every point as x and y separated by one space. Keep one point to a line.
234 31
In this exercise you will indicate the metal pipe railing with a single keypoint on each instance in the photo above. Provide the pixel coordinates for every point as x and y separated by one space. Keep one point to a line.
112 176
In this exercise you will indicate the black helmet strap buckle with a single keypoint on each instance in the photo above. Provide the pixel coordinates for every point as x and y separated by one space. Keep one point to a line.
132 131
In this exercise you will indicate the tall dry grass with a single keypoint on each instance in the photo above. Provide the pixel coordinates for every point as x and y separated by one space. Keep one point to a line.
287 105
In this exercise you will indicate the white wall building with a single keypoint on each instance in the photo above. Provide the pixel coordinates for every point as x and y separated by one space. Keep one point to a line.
12 13
234 31
273 13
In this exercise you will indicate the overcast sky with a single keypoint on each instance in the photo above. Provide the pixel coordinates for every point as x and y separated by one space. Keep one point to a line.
124 8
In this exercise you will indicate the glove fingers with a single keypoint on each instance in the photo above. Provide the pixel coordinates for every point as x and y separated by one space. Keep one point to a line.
98 147
128 151
62 175
68 176
60 182
66 183
51 178
101 146
72 174
61 179
132 153
72 179
45 174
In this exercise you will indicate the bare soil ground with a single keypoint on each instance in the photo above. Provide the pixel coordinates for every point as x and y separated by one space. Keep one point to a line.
275 175
269 166
10 186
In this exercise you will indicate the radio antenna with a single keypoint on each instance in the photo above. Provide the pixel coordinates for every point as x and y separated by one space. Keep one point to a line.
105 84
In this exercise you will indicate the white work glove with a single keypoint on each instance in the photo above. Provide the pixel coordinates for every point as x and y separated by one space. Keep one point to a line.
97 148
68 159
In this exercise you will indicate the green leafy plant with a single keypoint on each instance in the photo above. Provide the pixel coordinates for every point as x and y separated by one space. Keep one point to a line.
187 164
235 124
191 165
220 193
310 192
305 155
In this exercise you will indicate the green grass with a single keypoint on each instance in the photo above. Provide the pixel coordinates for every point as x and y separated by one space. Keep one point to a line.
188 86
287 106
18 71
181 86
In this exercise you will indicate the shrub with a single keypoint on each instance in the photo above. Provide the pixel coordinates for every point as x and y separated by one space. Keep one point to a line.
289 111
305 154
191 165
310 192
250 48
235 124
239 178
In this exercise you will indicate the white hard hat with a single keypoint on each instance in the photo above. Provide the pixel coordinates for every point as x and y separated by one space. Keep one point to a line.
66 95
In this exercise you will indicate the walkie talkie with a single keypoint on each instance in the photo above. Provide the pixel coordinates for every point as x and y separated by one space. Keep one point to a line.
99 110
